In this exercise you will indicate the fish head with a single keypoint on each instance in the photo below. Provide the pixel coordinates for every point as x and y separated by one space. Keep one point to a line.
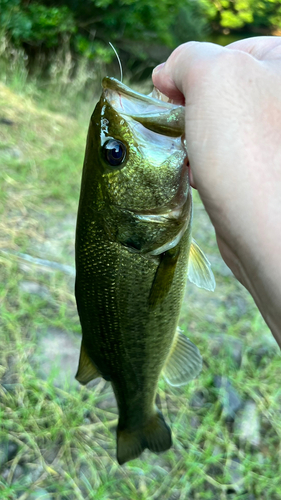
136 163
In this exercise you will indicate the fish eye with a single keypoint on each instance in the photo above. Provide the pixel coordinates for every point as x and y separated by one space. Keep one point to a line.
115 152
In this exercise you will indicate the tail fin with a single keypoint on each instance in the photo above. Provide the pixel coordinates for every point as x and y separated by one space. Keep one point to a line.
154 435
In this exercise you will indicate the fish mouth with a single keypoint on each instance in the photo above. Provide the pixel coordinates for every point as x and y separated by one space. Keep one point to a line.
139 102
155 113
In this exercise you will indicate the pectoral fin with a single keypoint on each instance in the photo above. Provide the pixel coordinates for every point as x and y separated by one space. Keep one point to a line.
164 276
86 369
184 362
199 268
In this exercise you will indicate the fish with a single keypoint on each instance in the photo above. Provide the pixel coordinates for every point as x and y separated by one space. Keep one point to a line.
134 252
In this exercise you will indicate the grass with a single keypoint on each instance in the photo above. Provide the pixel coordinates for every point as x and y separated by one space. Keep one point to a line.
61 439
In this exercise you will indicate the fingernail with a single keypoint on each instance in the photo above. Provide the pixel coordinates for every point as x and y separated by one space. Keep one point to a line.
158 68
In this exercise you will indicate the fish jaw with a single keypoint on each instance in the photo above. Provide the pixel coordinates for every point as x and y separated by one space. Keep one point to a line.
130 101
155 114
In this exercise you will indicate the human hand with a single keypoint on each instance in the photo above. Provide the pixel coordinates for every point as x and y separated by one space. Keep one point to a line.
233 121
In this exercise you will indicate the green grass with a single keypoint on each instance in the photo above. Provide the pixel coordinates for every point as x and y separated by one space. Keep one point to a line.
64 437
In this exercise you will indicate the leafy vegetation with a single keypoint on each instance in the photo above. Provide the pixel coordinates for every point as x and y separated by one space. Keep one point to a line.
263 16
138 28
143 31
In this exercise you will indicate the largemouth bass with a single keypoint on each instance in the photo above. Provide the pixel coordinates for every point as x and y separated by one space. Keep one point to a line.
134 252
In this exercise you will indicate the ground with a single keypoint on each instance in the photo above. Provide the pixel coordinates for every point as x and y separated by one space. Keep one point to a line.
57 438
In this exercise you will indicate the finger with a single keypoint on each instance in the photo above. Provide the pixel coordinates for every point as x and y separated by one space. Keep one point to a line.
188 61
165 83
260 47
191 178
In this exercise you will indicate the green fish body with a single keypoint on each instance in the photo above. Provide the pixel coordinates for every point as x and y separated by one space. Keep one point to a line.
134 252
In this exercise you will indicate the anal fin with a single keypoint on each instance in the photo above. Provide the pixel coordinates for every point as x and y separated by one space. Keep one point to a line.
86 369
199 268
184 362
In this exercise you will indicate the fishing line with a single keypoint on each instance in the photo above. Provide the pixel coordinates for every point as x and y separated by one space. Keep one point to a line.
118 59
